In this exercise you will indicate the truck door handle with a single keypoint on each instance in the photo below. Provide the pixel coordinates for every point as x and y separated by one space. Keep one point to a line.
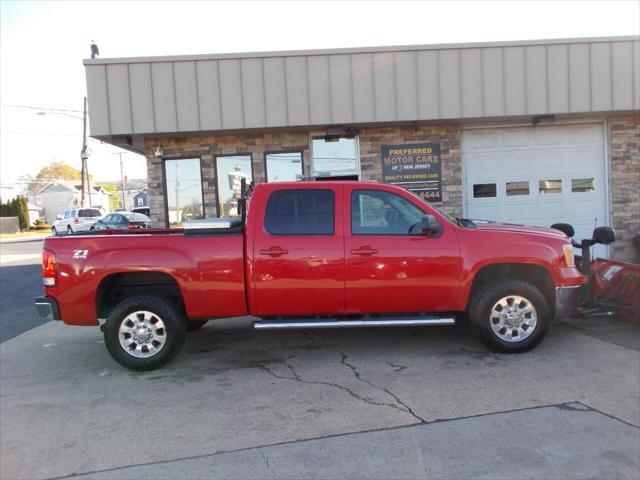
274 251
365 250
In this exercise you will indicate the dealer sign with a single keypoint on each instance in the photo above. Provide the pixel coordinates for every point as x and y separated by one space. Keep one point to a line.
416 167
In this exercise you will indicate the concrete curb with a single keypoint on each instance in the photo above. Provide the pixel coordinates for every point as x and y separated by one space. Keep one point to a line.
24 240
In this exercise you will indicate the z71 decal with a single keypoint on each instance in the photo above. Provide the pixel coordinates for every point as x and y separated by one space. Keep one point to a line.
80 254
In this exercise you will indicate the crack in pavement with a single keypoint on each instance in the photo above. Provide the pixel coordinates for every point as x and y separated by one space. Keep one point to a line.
266 461
296 377
400 405
396 368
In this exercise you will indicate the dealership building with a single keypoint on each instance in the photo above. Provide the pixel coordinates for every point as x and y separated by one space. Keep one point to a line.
532 132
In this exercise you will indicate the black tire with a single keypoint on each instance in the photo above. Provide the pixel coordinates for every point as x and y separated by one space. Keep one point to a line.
174 331
482 315
69 230
193 325
54 232
92 229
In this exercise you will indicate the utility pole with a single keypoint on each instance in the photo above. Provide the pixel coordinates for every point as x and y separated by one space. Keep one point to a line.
83 157
124 205
178 217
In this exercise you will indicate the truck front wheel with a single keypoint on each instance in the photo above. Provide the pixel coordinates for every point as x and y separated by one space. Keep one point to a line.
511 315
144 332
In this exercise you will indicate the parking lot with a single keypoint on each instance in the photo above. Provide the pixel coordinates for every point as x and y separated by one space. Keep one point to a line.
381 403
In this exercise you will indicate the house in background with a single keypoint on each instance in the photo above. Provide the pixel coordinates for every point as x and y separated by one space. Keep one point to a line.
55 197
132 192
141 199
35 213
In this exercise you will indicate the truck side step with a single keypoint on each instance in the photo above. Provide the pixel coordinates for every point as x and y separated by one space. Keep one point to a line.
292 323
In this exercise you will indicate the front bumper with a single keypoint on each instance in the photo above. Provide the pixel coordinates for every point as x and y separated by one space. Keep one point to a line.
47 308
568 299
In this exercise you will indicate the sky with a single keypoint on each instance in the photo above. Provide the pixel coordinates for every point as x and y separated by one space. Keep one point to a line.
42 45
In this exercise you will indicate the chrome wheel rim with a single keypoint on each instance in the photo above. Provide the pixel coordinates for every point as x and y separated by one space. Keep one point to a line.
513 318
142 334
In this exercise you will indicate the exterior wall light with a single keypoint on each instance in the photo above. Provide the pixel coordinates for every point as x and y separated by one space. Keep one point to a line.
158 152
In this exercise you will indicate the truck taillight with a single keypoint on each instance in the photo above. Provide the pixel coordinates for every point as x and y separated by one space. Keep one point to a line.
49 268
76 220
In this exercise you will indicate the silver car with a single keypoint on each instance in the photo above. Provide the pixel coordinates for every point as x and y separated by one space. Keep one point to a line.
75 220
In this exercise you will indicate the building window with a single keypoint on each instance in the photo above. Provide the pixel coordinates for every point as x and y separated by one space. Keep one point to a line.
283 166
335 156
583 185
517 188
481 190
230 170
546 187
300 212
184 190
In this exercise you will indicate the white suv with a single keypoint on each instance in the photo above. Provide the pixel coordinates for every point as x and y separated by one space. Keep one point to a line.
75 220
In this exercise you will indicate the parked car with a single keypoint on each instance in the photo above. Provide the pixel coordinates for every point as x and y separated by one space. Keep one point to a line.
75 220
143 210
313 255
122 221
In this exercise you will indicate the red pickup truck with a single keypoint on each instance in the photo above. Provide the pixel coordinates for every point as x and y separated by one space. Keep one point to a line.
312 255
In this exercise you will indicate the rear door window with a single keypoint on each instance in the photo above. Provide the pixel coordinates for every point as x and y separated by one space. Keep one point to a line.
300 212
89 212
136 217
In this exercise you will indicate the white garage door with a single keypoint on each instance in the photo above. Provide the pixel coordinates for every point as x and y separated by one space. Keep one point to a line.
537 176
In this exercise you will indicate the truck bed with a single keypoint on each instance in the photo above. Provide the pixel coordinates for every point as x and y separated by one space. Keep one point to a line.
208 266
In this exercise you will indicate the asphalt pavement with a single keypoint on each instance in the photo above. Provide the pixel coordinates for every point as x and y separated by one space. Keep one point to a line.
20 283
379 403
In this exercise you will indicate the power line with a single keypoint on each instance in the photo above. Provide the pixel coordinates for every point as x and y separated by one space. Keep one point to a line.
33 107
42 134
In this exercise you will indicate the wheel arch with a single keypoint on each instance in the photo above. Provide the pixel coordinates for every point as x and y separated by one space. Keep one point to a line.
537 275
115 287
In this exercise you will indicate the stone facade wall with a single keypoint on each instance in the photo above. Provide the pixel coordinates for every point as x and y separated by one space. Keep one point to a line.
624 152
372 140
207 147
625 184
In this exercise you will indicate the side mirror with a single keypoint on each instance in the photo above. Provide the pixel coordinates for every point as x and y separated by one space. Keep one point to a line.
431 226
565 228
604 235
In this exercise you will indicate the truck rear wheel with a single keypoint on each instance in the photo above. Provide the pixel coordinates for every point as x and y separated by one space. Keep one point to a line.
512 315
144 332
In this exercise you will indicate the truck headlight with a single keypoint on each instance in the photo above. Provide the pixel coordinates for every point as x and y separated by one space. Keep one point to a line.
569 259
